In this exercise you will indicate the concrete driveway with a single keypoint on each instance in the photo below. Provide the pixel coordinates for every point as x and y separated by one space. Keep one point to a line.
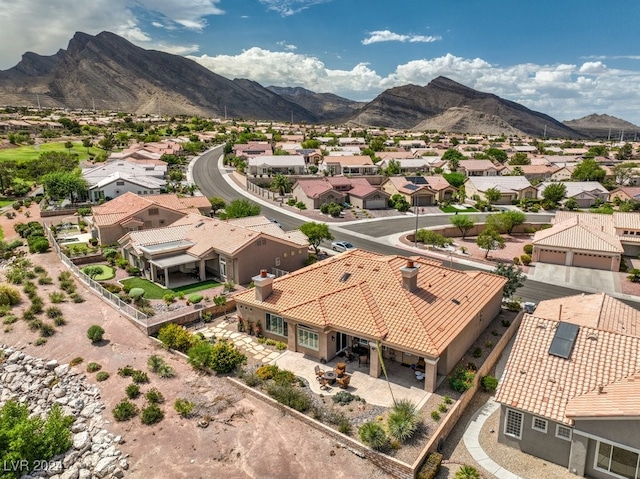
584 279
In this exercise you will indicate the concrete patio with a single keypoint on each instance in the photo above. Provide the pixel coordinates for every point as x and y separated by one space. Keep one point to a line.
373 390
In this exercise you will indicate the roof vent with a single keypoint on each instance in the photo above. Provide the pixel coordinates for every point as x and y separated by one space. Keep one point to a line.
593 337
455 301
199 224
600 388
542 326
345 277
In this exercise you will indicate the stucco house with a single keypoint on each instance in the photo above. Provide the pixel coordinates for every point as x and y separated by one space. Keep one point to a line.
276 164
413 309
131 212
479 168
419 190
625 193
424 164
316 192
339 189
119 183
200 247
511 188
349 165
571 386
532 172
584 192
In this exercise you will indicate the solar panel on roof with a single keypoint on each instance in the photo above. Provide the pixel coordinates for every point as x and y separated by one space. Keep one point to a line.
418 180
563 340
411 187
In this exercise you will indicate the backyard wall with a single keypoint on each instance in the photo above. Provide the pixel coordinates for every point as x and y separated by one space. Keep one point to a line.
189 315
453 232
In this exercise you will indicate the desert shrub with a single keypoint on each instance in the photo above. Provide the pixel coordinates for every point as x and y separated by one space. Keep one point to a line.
289 396
28 315
442 408
528 248
132 391
54 312
37 305
343 398
75 361
281 346
489 383
40 342
126 372
435 415
76 298
95 333
526 259
373 435
176 337
226 357
183 407
516 260
9 296
102 376
93 367
124 410
136 293
267 371
477 352
35 325
345 426
201 356
166 371
403 420
139 377
68 286
38 244
461 379
57 297
155 362
9 319
44 280
154 396
513 306
169 298
431 466
47 330
151 414
467 472
251 379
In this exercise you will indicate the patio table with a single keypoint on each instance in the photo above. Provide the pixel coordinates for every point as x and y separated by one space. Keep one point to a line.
330 376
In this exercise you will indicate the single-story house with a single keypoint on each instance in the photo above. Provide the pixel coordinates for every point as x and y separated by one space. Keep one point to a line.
349 165
360 193
625 193
511 188
532 172
584 192
110 173
316 192
253 148
419 190
118 184
276 164
424 164
414 309
479 168
131 212
571 386
201 247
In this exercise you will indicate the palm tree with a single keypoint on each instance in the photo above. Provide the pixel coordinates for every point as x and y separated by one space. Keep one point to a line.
281 183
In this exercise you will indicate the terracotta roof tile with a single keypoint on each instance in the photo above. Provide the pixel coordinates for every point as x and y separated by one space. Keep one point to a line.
576 233
372 302
615 400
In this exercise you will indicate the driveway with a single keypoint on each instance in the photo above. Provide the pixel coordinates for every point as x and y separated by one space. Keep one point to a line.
585 279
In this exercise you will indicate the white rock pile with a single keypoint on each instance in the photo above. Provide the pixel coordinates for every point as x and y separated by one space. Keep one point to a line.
40 384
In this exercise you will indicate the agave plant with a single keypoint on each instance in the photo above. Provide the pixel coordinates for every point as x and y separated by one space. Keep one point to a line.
403 420
372 434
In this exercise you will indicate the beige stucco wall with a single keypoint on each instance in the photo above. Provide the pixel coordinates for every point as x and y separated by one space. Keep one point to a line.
251 259
112 233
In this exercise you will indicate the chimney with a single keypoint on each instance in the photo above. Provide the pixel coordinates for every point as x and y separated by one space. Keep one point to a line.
409 276
263 285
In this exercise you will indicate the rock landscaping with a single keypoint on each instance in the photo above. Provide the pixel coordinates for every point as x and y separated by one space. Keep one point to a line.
42 384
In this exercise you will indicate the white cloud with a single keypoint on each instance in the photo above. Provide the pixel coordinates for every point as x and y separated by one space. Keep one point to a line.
287 46
65 17
290 7
379 36
563 91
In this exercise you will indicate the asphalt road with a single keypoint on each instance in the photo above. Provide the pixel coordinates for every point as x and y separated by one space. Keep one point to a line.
211 183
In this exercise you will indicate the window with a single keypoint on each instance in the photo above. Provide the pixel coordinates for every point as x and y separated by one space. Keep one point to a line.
277 261
119 183
153 211
617 460
513 424
277 325
223 267
539 424
563 432
307 338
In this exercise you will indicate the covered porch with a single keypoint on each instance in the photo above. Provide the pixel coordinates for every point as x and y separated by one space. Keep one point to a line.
178 270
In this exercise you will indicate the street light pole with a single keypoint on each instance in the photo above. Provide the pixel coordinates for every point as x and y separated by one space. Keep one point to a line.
415 201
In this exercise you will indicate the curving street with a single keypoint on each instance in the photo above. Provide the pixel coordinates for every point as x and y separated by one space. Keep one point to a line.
367 234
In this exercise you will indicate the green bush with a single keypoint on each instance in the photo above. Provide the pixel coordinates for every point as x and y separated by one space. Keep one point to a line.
76 298
38 244
40 342
526 259
57 297
467 472
9 319
289 396
435 415
151 414
54 312
44 280
124 410
477 352
155 362
195 298
373 435
102 376
75 361
176 337
154 396
528 248
59 321
47 330
140 377
93 367
132 391
126 372
33 439
431 466
136 293
343 398
166 371
9 296
95 333
461 379
183 407
489 383
169 298
201 356
403 420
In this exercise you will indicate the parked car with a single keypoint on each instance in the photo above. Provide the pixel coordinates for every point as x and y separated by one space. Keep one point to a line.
529 307
275 222
341 246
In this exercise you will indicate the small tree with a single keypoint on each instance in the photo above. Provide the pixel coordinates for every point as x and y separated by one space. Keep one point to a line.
226 357
506 221
217 203
571 204
92 271
515 278
241 209
492 195
554 193
95 333
490 240
463 222
316 232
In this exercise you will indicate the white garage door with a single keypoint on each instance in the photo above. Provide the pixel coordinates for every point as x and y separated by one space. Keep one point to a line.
595 261
552 256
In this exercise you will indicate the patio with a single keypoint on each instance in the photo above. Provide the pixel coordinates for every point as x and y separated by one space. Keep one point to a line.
376 391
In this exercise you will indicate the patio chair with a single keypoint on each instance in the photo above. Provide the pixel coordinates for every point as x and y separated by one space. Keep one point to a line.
319 372
343 382
324 384
340 369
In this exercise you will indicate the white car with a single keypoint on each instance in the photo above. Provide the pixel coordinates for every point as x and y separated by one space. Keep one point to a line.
341 246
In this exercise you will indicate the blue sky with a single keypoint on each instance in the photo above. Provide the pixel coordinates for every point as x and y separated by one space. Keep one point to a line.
566 58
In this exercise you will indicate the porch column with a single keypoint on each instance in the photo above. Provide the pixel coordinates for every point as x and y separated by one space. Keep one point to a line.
375 368
203 271
291 339
578 454
569 259
430 374
153 272
166 277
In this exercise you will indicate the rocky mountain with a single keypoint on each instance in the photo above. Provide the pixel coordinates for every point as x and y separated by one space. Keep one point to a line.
407 106
602 126
466 120
327 107
108 72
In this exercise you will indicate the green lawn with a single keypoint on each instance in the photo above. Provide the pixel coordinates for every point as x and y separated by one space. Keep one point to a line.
108 272
29 152
154 291
5 201
451 209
